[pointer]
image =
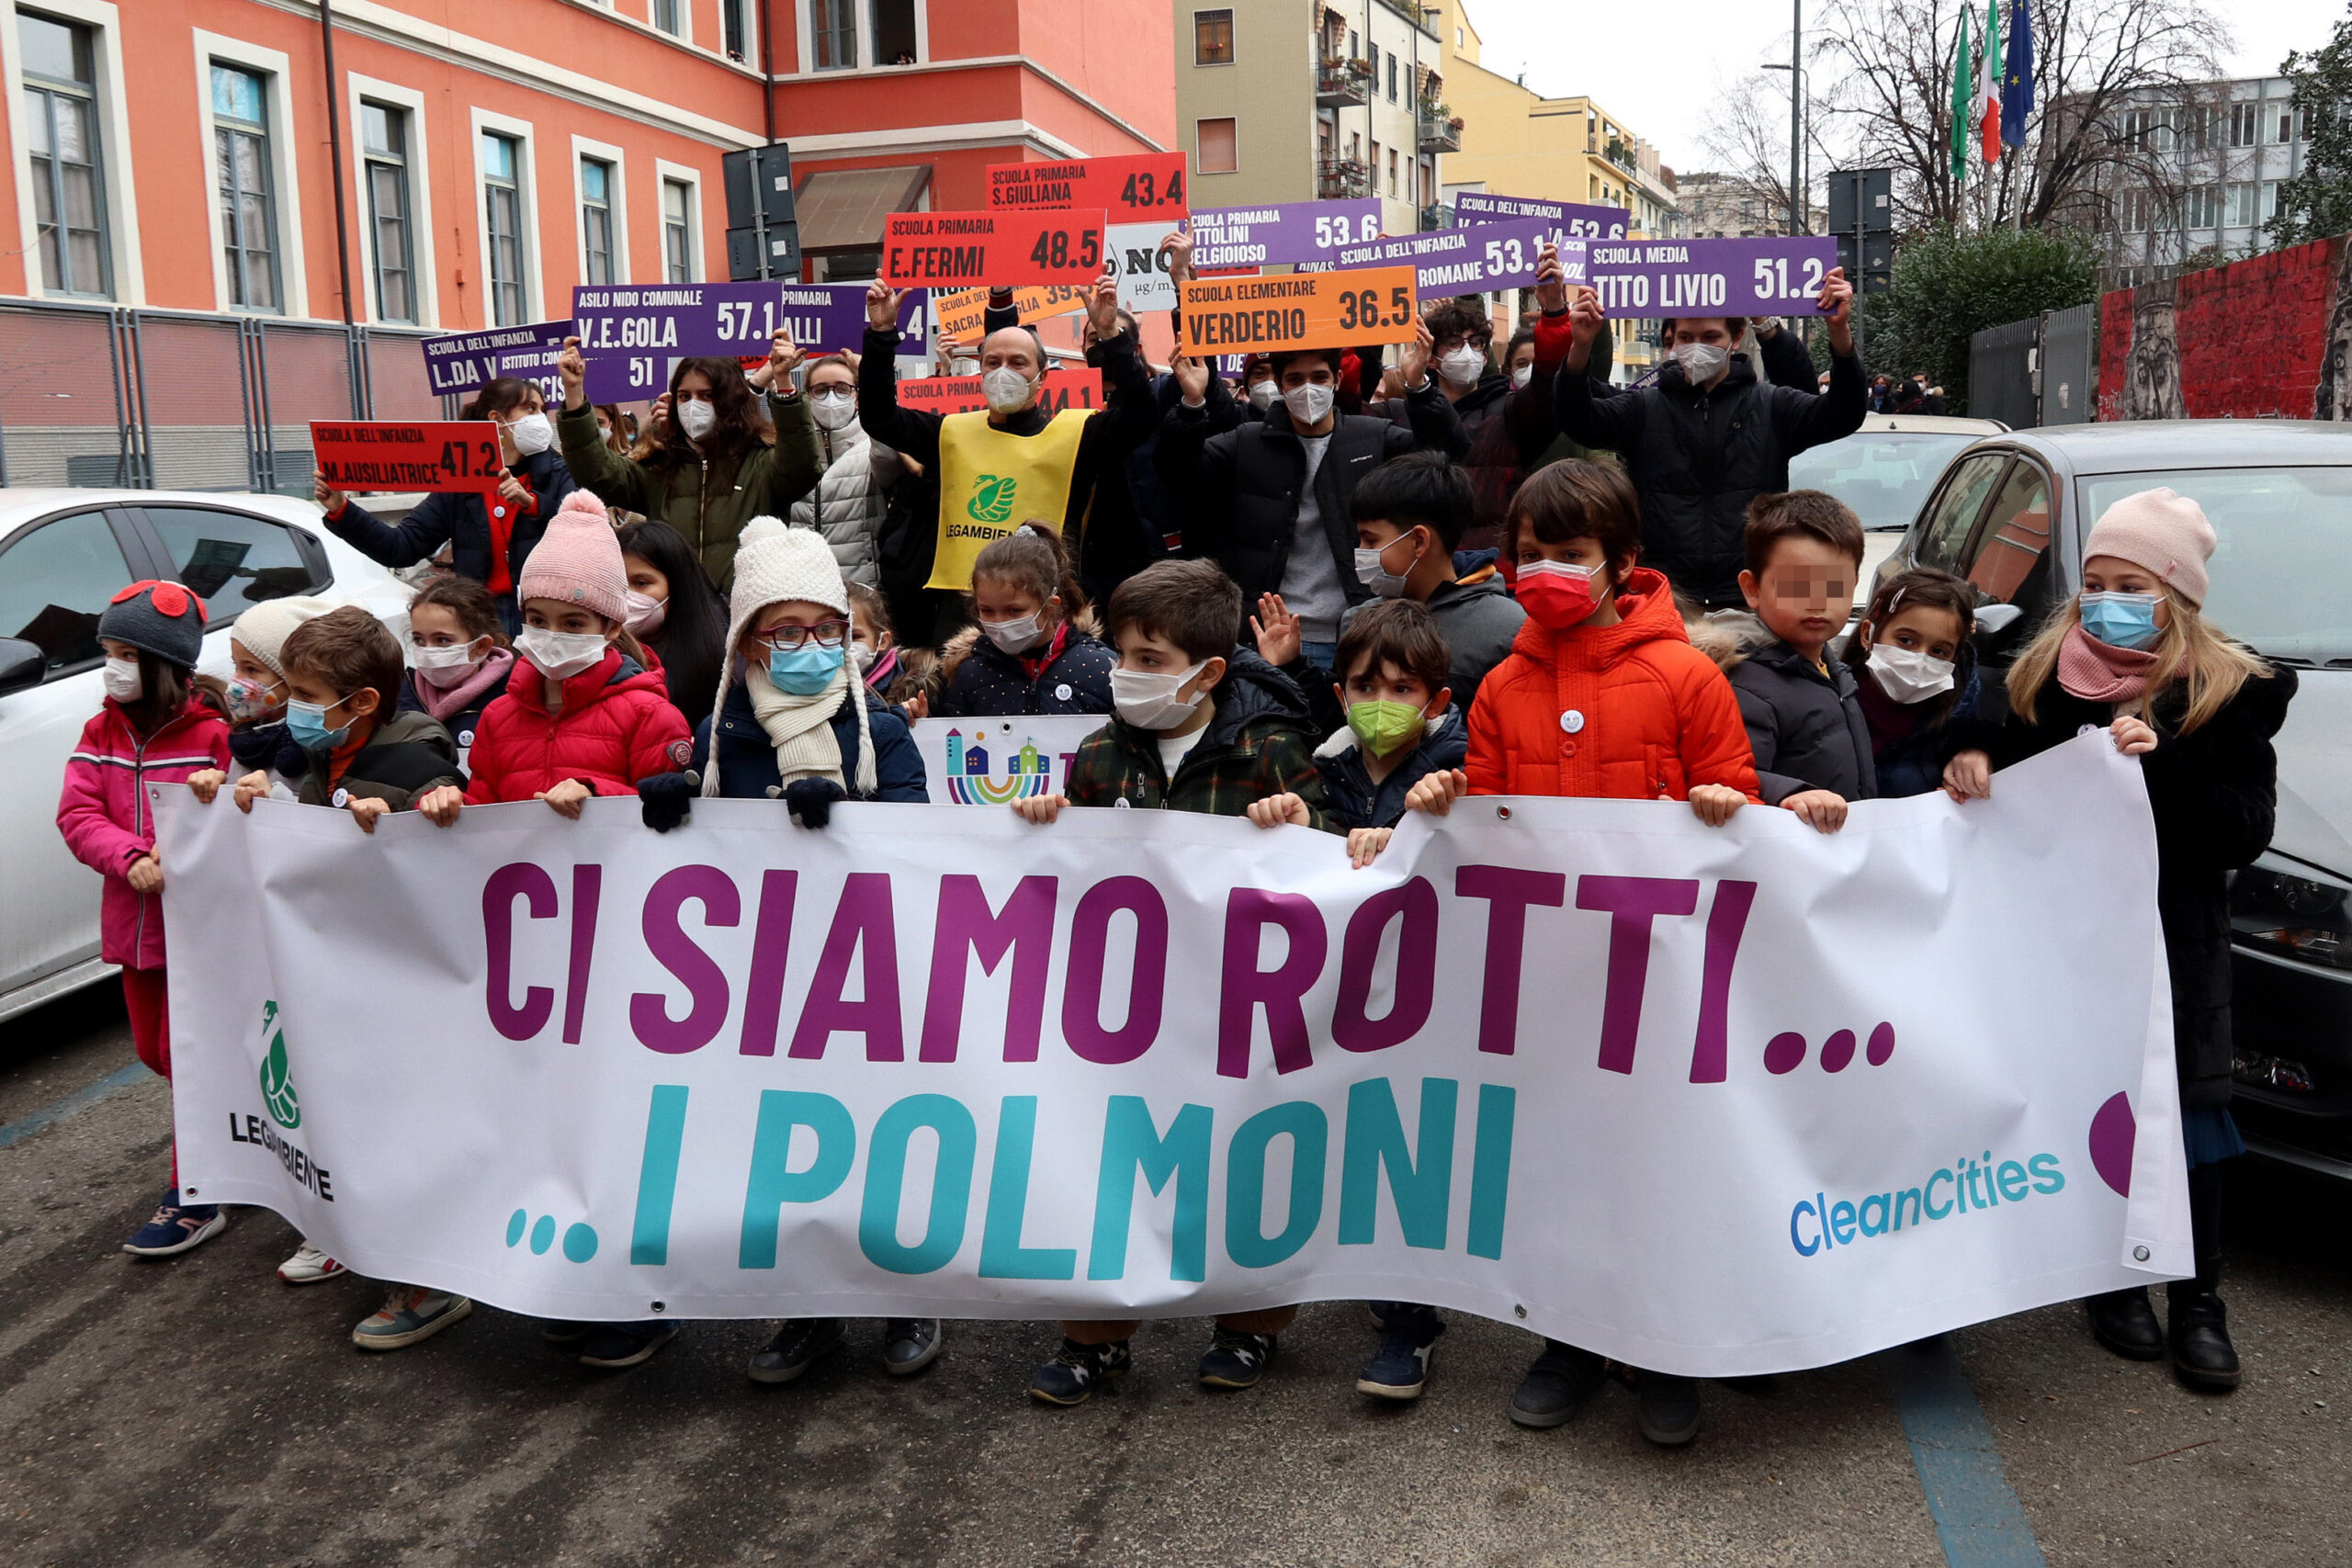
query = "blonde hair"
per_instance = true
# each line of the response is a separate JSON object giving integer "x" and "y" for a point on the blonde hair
{"x": 2192, "y": 649}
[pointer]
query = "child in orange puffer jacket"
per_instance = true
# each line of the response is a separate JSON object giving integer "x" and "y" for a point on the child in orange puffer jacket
{"x": 1603, "y": 694}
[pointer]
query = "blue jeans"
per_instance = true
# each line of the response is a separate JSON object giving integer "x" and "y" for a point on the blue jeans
{"x": 1322, "y": 655}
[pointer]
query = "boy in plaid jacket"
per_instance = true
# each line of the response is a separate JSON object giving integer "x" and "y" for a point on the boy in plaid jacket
{"x": 1200, "y": 724}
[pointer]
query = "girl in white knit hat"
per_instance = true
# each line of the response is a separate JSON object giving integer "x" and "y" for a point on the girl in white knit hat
{"x": 2133, "y": 654}
{"x": 794, "y": 723}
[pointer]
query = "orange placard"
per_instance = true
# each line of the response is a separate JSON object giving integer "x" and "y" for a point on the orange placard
{"x": 955, "y": 394}
{"x": 945, "y": 249}
{"x": 1132, "y": 189}
{"x": 1301, "y": 310}
{"x": 388, "y": 454}
{"x": 959, "y": 313}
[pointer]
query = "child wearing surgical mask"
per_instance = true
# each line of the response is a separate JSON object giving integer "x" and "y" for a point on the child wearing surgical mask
{"x": 1602, "y": 696}
{"x": 155, "y": 726}
{"x": 255, "y": 694}
{"x": 580, "y": 717}
{"x": 873, "y": 641}
{"x": 1031, "y": 649}
{"x": 2133, "y": 655}
{"x": 673, "y": 613}
{"x": 458, "y": 658}
{"x": 1200, "y": 725}
{"x": 793, "y": 723}
{"x": 491, "y": 536}
{"x": 1916, "y": 672}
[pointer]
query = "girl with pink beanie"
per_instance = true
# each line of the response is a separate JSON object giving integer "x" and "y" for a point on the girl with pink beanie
{"x": 580, "y": 716}
{"x": 2133, "y": 655}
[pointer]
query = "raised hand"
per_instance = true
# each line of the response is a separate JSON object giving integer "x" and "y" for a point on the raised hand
{"x": 1192, "y": 379}
{"x": 1276, "y": 630}
{"x": 882, "y": 303}
{"x": 1413, "y": 358}
{"x": 1551, "y": 280}
{"x": 572, "y": 369}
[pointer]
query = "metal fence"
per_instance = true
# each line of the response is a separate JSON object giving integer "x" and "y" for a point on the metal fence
{"x": 114, "y": 396}
{"x": 2041, "y": 370}
{"x": 2069, "y": 364}
{"x": 2001, "y": 363}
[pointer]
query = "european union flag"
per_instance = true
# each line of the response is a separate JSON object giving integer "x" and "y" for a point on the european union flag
{"x": 2017, "y": 80}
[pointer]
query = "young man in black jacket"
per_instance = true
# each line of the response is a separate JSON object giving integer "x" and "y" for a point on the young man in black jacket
{"x": 1271, "y": 501}
{"x": 1709, "y": 438}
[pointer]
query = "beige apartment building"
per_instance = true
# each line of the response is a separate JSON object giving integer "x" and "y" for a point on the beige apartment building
{"x": 1515, "y": 141}
{"x": 1300, "y": 100}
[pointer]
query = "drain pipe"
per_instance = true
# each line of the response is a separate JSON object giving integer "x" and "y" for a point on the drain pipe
{"x": 334, "y": 150}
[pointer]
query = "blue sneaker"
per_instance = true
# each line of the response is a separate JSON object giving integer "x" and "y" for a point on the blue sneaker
{"x": 794, "y": 1349}
{"x": 614, "y": 1345}
{"x": 176, "y": 1228}
{"x": 410, "y": 1315}
{"x": 1235, "y": 1358}
{"x": 1400, "y": 1369}
{"x": 1069, "y": 1378}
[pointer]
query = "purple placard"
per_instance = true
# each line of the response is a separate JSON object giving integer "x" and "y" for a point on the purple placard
{"x": 1281, "y": 235}
{"x": 1471, "y": 261}
{"x": 631, "y": 336}
{"x": 1766, "y": 277}
{"x": 460, "y": 362}
{"x": 1571, "y": 220}
{"x": 537, "y": 366}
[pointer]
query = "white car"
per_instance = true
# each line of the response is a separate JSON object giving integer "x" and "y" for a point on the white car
{"x": 1885, "y": 471}
{"x": 63, "y": 556}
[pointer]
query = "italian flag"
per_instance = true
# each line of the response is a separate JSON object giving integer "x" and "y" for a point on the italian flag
{"x": 1963, "y": 102}
{"x": 1988, "y": 104}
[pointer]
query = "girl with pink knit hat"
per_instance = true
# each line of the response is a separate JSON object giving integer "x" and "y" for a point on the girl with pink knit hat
{"x": 2133, "y": 654}
{"x": 580, "y": 717}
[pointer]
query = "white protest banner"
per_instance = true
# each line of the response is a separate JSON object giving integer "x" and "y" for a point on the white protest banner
{"x": 1713, "y": 1101}
{"x": 995, "y": 761}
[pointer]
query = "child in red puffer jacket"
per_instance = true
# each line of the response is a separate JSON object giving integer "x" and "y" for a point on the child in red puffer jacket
{"x": 581, "y": 714}
{"x": 157, "y": 726}
{"x": 580, "y": 717}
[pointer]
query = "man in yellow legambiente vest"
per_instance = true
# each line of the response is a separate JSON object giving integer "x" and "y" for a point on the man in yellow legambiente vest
{"x": 1011, "y": 462}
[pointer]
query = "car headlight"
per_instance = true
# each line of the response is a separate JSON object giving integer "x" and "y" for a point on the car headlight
{"x": 2297, "y": 911}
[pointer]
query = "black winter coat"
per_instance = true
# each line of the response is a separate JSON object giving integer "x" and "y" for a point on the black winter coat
{"x": 1351, "y": 800}
{"x": 986, "y": 681}
{"x": 1697, "y": 457}
{"x": 1239, "y": 489}
{"x": 459, "y": 519}
{"x": 2214, "y": 795}
{"x": 746, "y": 762}
{"x": 1807, "y": 728}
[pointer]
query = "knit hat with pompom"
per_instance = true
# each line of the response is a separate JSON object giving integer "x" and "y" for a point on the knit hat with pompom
{"x": 159, "y": 617}
{"x": 774, "y": 563}
{"x": 577, "y": 560}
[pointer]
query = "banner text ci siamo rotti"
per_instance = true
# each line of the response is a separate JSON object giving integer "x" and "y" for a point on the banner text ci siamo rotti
{"x": 1716, "y": 1102}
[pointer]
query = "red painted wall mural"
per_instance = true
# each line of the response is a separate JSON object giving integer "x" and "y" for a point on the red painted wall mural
{"x": 2270, "y": 337}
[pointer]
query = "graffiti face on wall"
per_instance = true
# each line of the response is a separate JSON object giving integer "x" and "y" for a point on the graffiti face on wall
{"x": 2153, "y": 390}
{"x": 2333, "y": 398}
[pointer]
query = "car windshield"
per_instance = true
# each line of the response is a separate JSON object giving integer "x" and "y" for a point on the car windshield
{"x": 2282, "y": 572}
{"x": 1885, "y": 475}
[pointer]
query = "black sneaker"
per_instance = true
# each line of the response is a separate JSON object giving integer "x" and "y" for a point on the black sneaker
{"x": 1400, "y": 1367}
{"x": 1069, "y": 1378}
{"x": 562, "y": 1331}
{"x": 794, "y": 1349}
{"x": 612, "y": 1346}
{"x": 1668, "y": 1408}
{"x": 1561, "y": 1383}
{"x": 2203, "y": 1357}
{"x": 2126, "y": 1324}
{"x": 909, "y": 1345}
{"x": 1236, "y": 1359}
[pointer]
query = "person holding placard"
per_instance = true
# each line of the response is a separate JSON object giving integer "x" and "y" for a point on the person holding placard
{"x": 1269, "y": 500}
{"x": 999, "y": 466}
{"x": 1709, "y": 437}
{"x": 490, "y": 537}
{"x": 708, "y": 472}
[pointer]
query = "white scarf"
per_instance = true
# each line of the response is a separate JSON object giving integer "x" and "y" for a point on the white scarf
{"x": 801, "y": 730}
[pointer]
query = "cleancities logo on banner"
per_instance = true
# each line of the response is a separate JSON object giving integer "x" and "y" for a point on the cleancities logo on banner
{"x": 284, "y": 1110}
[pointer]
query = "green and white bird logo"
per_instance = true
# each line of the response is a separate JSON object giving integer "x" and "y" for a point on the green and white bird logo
{"x": 276, "y": 1078}
{"x": 992, "y": 497}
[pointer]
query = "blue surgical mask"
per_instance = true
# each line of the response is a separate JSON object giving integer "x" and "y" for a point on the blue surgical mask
{"x": 2121, "y": 620}
{"x": 805, "y": 671}
{"x": 306, "y": 724}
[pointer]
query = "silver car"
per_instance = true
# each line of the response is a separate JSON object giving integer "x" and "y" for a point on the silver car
{"x": 2010, "y": 514}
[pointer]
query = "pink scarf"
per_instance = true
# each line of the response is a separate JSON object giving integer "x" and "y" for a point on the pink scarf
{"x": 489, "y": 675}
{"x": 2100, "y": 672}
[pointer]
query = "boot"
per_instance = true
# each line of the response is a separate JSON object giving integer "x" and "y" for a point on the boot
{"x": 2203, "y": 1357}
{"x": 2126, "y": 1324}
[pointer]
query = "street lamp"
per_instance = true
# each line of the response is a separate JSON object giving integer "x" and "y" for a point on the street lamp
{"x": 1797, "y": 224}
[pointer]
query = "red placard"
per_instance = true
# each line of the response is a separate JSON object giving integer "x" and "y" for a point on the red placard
{"x": 944, "y": 250}
{"x": 1131, "y": 189}
{"x": 955, "y": 394}
{"x": 392, "y": 454}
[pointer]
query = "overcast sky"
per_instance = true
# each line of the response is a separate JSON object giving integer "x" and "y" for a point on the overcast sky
{"x": 1726, "y": 38}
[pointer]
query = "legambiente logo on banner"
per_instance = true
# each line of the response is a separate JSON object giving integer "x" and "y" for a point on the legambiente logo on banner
{"x": 1701, "y": 1100}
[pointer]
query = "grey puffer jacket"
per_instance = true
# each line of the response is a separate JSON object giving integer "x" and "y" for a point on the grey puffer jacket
{"x": 851, "y": 497}
{"x": 1805, "y": 726}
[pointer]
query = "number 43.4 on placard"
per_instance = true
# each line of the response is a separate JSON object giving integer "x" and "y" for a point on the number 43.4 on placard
{"x": 1774, "y": 280}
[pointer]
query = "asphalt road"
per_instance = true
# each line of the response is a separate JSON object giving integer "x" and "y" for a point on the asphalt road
{"x": 196, "y": 1412}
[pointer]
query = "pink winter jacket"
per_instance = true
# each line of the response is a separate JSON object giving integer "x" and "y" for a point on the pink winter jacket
{"x": 104, "y": 813}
